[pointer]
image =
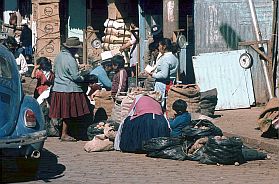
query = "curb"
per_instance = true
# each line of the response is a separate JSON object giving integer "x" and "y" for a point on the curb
{"x": 255, "y": 143}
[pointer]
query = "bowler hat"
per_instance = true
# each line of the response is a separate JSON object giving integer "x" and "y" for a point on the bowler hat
{"x": 72, "y": 42}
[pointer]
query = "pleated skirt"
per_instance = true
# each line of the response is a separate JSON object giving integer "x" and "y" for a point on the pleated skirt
{"x": 68, "y": 105}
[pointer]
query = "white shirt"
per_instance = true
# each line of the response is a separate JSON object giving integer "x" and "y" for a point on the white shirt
{"x": 21, "y": 62}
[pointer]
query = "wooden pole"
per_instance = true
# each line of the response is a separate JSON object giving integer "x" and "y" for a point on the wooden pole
{"x": 84, "y": 52}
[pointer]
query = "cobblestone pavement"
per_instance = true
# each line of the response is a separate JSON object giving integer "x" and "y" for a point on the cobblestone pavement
{"x": 64, "y": 162}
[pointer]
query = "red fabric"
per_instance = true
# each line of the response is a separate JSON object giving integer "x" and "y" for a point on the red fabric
{"x": 68, "y": 105}
{"x": 145, "y": 105}
{"x": 168, "y": 86}
{"x": 43, "y": 83}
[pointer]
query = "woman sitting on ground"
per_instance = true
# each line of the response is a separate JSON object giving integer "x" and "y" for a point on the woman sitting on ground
{"x": 182, "y": 118}
{"x": 145, "y": 121}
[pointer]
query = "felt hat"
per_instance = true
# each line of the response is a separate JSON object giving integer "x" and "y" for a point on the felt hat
{"x": 72, "y": 42}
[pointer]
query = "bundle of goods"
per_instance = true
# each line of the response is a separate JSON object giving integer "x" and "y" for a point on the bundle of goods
{"x": 123, "y": 102}
{"x": 104, "y": 141}
{"x": 204, "y": 142}
{"x": 208, "y": 102}
{"x": 116, "y": 110}
{"x": 269, "y": 119}
{"x": 199, "y": 129}
{"x": 116, "y": 34}
{"x": 204, "y": 149}
{"x": 101, "y": 128}
{"x": 103, "y": 99}
{"x": 190, "y": 93}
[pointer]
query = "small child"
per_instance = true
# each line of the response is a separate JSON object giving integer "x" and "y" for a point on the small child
{"x": 45, "y": 77}
{"x": 182, "y": 118}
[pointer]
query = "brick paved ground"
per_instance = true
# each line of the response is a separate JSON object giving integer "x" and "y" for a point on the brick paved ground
{"x": 243, "y": 123}
{"x": 68, "y": 163}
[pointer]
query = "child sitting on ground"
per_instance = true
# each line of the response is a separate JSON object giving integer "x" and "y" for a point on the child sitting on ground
{"x": 182, "y": 118}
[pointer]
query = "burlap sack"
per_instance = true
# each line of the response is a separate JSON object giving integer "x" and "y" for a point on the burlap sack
{"x": 190, "y": 93}
{"x": 103, "y": 99}
{"x": 122, "y": 104}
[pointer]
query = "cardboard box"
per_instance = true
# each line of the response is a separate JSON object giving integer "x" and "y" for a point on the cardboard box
{"x": 49, "y": 11}
{"x": 48, "y": 29}
{"x": 48, "y": 47}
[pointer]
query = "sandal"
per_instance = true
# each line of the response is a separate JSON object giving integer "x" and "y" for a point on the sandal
{"x": 68, "y": 139}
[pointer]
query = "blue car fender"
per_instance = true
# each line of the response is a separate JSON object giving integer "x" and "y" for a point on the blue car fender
{"x": 29, "y": 102}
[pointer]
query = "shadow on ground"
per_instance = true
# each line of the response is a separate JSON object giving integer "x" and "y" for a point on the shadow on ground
{"x": 48, "y": 169}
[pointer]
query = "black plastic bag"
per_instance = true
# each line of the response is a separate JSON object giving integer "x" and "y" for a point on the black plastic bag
{"x": 160, "y": 143}
{"x": 194, "y": 131}
{"x": 223, "y": 151}
{"x": 250, "y": 154}
{"x": 173, "y": 152}
{"x": 92, "y": 130}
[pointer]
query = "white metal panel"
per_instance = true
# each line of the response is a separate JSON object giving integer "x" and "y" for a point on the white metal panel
{"x": 221, "y": 70}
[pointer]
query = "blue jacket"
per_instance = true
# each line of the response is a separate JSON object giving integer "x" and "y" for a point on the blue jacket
{"x": 178, "y": 123}
{"x": 102, "y": 75}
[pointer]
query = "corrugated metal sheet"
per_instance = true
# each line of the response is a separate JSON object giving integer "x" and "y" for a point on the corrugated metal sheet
{"x": 220, "y": 24}
{"x": 221, "y": 70}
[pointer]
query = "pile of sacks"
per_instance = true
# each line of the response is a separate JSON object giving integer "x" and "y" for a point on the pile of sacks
{"x": 116, "y": 34}
{"x": 202, "y": 141}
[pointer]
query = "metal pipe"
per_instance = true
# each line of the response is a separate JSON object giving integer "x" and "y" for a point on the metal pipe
{"x": 259, "y": 38}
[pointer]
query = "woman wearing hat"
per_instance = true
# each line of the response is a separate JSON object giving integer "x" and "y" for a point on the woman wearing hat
{"x": 68, "y": 100}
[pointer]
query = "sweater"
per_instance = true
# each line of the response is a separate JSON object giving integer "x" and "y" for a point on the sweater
{"x": 167, "y": 66}
{"x": 66, "y": 73}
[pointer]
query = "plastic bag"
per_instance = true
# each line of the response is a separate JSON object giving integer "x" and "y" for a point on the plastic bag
{"x": 160, "y": 143}
{"x": 222, "y": 150}
{"x": 200, "y": 128}
{"x": 173, "y": 152}
{"x": 250, "y": 154}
